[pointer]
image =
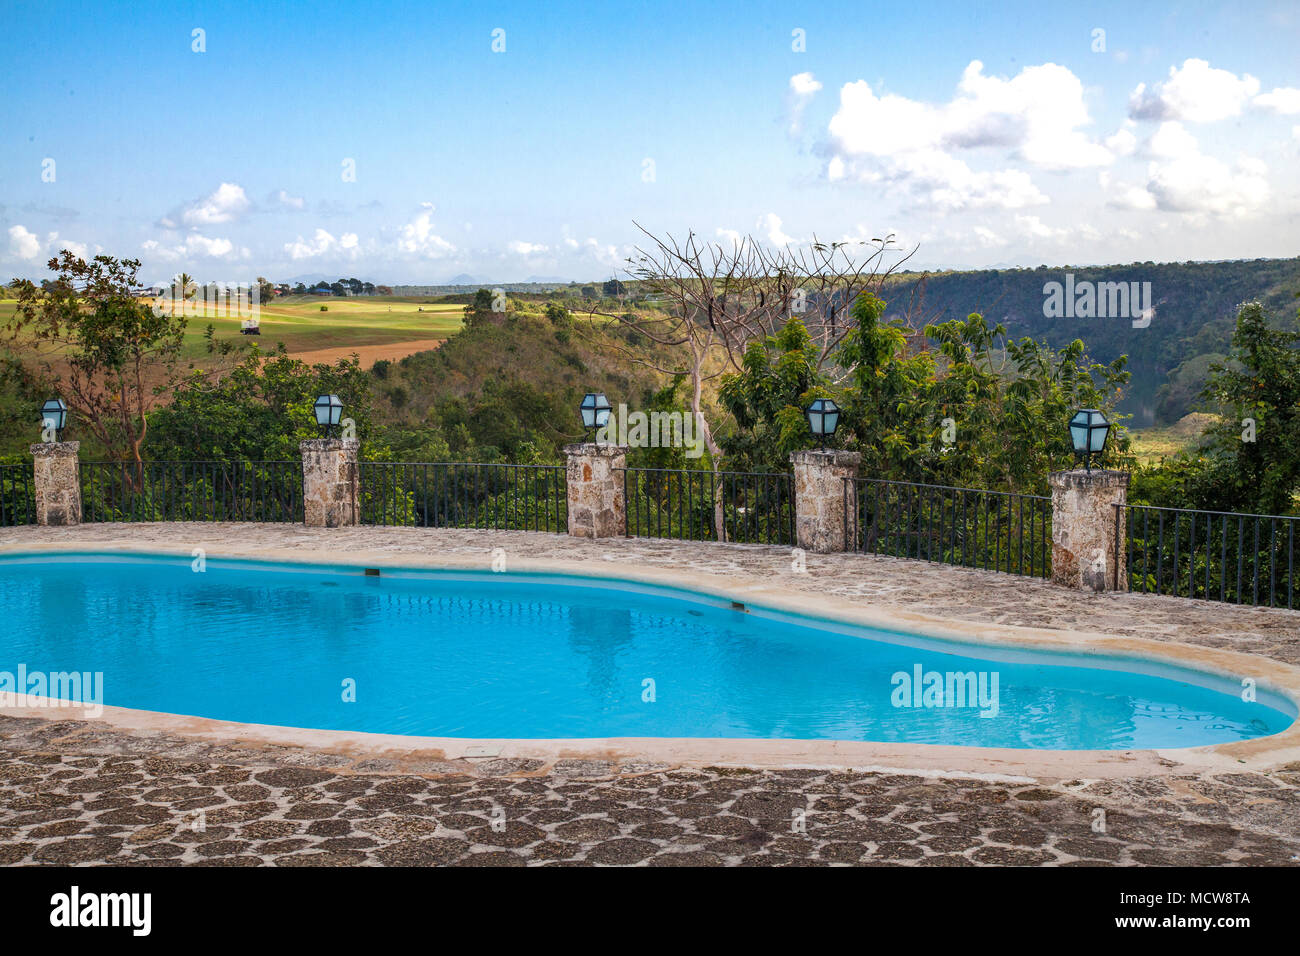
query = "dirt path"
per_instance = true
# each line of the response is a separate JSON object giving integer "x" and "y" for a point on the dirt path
{"x": 370, "y": 354}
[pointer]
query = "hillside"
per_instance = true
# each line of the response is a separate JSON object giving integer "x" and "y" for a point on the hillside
{"x": 509, "y": 387}
{"x": 1195, "y": 308}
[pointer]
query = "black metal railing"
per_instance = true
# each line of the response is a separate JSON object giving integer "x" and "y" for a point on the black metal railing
{"x": 17, "y": 500}
{"x": 1212, "y": 555}
{"x": 753, "y": 507}
{"x": 497, "y": 496}
{"x": 191, "y": 491}
{"x": 969, "y": 527}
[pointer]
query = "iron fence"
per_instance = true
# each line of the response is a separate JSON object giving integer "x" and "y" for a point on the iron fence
{"x": 501, "y": 497}
{"x": 969, "y": 527}
{"x": 17, "y": 499}
{"x": 753, "y": 507}
{"x": 191, "y": 491}
{"x": 1212, "y": 555}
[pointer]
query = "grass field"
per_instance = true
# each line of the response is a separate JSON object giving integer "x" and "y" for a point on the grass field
{"x": 1152, "y": 444}
{"x": 376, "y": 326}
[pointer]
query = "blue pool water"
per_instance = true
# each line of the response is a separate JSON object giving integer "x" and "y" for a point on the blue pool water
{"x": 494, "y": 655}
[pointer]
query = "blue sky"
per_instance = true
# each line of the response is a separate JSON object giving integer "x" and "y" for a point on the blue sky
{"x": 982, "y": 134}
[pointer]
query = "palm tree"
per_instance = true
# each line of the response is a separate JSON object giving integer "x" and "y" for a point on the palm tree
{"x": 184, "y": 284}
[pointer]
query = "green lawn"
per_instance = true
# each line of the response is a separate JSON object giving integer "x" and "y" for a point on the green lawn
{"x": 299, "y": 323}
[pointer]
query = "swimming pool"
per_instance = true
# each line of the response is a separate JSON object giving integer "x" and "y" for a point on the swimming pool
{"x": 483, "y": 655}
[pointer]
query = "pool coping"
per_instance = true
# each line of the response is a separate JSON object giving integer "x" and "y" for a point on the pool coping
{"x": 1256, "y": 754}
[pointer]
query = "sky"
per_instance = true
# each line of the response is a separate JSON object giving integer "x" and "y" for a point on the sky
{"x": 418, "y": 143}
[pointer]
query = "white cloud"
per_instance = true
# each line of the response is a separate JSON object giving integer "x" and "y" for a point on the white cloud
{"x": 1283, "y": 100}
{"x": 1180, "y": 178}
{"x": 418, "y": 237}
{"x": 1171, "y": 141}
{"x": 284, "y": 199}
{"x": 1038, "y": 112}
{"x": 804, "y": 84}
{"x": 1122, "y": 142}
{"x": 27, "y": 245}
{"x": 893, "y": 140}
{"x": 1034, "y": 228}
{"x": 1195, "y": 92}
{"x": 521, "y": 248}
{"x": 23, "y": 244}
{"x": 769, "y": 225}
{"x": 803, "y": 87}
{"x": 78, "y": 249}
{"x": 227, "y": 203}
{"x": 195, "y": 246}
{"x": 322, "y": 243}
{"x": 603, "y": 252}
{"x": 1134, "y": 197}
{"x": 198, "y": 245}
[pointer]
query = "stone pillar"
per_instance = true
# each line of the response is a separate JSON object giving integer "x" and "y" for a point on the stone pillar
{"x": 1083, "y": 529}
{"x": 329, "y": 482}
{"x": 819, "y": 498}
{"x": 595, "y": 490}
{"x": 57, "y": 482}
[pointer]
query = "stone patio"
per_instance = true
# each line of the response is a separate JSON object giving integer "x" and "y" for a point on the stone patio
{"x": 72, "y": 794}
{"x": 81, "y": 792}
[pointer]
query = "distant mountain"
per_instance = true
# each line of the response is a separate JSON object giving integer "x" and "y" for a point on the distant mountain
{"x": 1195, "y": 308}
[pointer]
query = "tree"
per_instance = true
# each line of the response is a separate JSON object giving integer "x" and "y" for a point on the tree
{"x": 767, "y": 398}
{"x": 480, "y": 310}
{"x": 950, "y": 405}
{"x": 1253, "y": 459}
{"x": 106, "y": 352}
{"x": 717, "y": 300}
{"x": 183, "y": 288}
{"x": 260, "y": 410}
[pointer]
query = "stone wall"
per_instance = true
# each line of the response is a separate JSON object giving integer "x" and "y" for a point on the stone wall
{"x": 595, "y": 490}
{"x": 57, "y": 482}
{"x": 819, "y": 496}
{"x": 1083, "y": 529}
{"x": 330, "y": 482}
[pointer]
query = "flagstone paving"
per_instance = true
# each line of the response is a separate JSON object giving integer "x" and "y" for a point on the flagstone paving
{"x": 74, "y": 793}
{"x": 77, "y": 792}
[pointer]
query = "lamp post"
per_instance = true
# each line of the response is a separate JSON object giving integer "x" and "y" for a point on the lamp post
{"x": 329, "y": 411}
{"x": 54, "y": 414}
{"x": 595, "y": 409}
{"x": 1089, "y": 430}
{"x": 823, "y": 418}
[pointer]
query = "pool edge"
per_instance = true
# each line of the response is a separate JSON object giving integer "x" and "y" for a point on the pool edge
{"x": 1258, "y": 753}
